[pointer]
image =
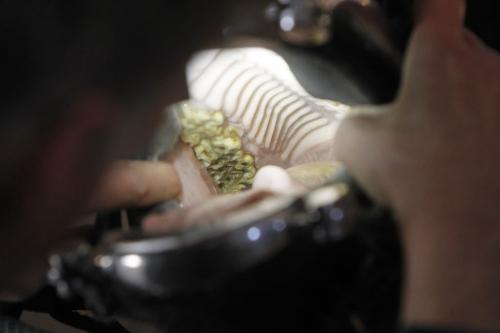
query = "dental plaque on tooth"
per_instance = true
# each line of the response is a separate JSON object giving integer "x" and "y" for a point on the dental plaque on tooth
{"x": 247, "y": 110}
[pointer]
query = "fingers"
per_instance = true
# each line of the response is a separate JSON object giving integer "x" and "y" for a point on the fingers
{"x": 449, "y": 13}
{"x": 135, "y": 184}
{"x": 359, "y": 144}
{"x": 211, "y": 211}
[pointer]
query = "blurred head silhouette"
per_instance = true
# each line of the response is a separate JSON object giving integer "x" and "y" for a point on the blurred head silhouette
{"x": 82, "y": 83}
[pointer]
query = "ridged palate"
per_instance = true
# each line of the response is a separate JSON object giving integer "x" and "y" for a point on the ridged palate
{"x": 280, "y": 123}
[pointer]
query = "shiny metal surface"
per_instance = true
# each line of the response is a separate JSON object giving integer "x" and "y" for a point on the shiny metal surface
{"x": 161, "y": 267}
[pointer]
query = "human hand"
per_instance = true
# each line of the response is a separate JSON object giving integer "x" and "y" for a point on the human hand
{"x": 269, "y": 181}
{"x": 433, "y": 157}
{"x": 129, "y": 184}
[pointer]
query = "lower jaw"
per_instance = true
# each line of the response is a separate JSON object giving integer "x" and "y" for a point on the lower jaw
{"x": 211, "y": 159}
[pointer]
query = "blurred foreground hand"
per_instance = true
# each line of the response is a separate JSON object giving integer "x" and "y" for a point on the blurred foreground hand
{"x": 433, "y": 156}
{"x": 129, "y": 184}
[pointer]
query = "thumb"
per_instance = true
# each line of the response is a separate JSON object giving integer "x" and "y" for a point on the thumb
{"x": 360, "y": 144}
{"x": 450, "y": 13}
{"x": 135, "y": 184}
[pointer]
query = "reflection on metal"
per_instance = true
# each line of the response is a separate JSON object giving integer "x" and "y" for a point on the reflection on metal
{"x": 287, "y": 21}
{"x": 336, "y": 214}
{"x": 302, "y": 22}
{"x": 104, "y": 262}
{"x": 131, "y": 261}
{"x": 253, "y": 234}
{"x": 307, "y": 22}
{"x": 311, "y": 25}
{"x": 359, "y": 23}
